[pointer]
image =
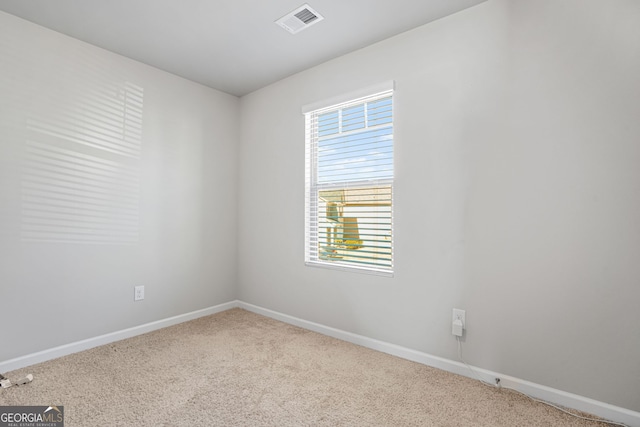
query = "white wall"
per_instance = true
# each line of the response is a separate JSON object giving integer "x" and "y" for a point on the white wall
{"x": 177, "y": 233}
{"x": 517, "y": 194}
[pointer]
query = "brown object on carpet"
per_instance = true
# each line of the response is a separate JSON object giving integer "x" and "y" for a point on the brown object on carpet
{"x": 237, "y": 368}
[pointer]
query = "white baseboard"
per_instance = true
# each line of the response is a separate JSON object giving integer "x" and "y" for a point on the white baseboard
{"x": 558, "y": 397}
{"x": 538, "y": 391}
{"x": 63, "y": 350}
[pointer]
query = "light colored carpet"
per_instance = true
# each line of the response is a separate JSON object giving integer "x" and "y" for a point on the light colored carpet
{"x": 237, "y": 368}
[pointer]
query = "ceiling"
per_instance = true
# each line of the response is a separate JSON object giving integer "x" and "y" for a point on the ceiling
{"x": 230, "y": 45}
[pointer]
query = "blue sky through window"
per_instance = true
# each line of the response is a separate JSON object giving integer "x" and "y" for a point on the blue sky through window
{"x": 356, "y": 143}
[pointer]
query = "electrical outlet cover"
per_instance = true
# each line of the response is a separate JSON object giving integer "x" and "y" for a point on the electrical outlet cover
{"x": 139, "y": 293}
{"x": 459, "y": 314}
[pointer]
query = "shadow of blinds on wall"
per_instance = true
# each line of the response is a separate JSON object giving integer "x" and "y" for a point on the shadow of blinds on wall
{"x": 79, "y": 123}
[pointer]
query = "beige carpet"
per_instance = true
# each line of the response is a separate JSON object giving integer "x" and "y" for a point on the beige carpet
{"x": 237, "y": 368}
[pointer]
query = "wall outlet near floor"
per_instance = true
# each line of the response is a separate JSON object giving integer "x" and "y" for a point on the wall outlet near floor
{"x": 139, "y": 293}
{"x": 458, "y": 322}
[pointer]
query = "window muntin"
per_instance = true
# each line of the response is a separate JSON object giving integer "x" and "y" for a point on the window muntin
{"x": 349, "y": 185}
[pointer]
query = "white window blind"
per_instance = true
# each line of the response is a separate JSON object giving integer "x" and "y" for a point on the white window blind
{"x": 349, "y": 184}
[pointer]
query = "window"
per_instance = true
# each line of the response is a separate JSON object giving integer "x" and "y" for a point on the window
{"x": 349, "y": 184}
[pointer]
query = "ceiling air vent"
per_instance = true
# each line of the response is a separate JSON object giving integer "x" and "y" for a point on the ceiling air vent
{"x": 301, "y": 18}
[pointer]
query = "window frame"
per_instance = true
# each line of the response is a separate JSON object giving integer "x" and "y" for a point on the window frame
{"x": 313, "y": 187}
